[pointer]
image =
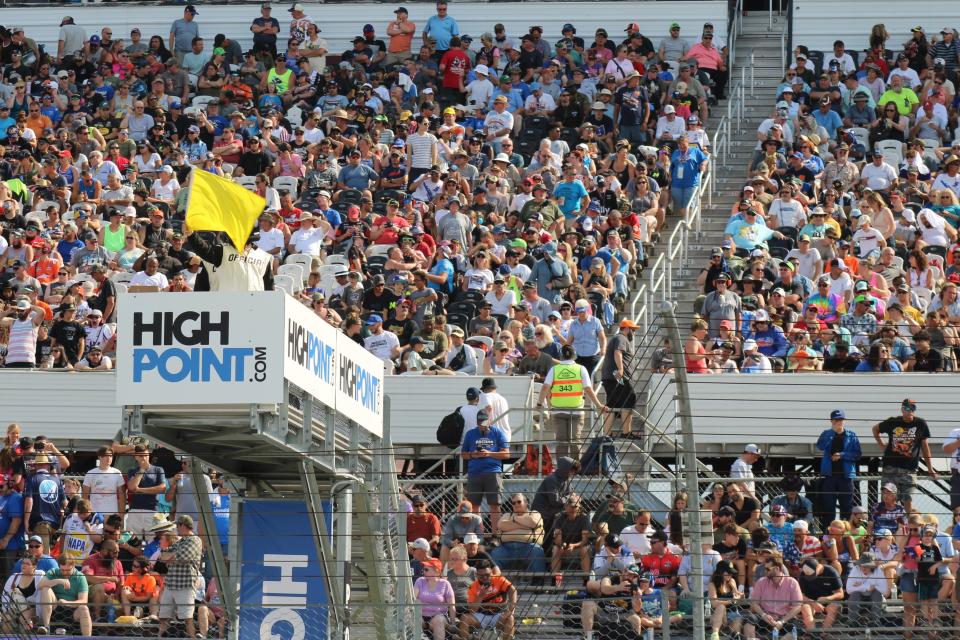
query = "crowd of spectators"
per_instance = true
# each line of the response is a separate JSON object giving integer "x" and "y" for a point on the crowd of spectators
{"x": 841, "y": 252}
{"x": 798, "y": 554}
{"x": 449, "y": 201}
{"x": 116, "y": 544}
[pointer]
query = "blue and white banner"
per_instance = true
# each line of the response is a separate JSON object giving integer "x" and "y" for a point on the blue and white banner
{"x": 283, "y": 594}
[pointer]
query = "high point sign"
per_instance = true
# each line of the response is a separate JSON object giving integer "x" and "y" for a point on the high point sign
{"x": 238, "y": 348}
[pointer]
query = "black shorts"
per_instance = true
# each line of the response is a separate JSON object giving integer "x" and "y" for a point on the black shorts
{"x": 619, "y": 396}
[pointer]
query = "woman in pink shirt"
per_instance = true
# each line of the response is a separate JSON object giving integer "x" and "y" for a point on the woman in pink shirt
{"x": 435, "y": 595}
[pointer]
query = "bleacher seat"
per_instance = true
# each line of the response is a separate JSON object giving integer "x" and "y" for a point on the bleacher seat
{"x": 296, "y": 271}
{"x": 337, "y": 259}
{"x": 201, "y": 101}
{"x": 294, "y": 116}
{"x": 892, "y": 151}
{"x": 284, "y": 282}
{"x": 247, "y": 182}
{"x": 286, "y": 183}
{"x": 304, "y": 261}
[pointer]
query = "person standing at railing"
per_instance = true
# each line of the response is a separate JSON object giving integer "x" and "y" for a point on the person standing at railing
{"x": 565, "y": 387}
{"x": 838, "y": 467}
{"x": 485, "y": 448}
{"x": 907, "y": 437}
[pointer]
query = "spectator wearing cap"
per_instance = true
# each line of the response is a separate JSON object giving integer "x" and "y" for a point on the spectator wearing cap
{"x": 566, "y": 385}
{"x": 381, "y": 343}
{"x": 822, "y": 591}
{"x": 615, "y": 374}
{"x": 461, "y": 358}
{"x": 949, "y": 178}
{"x": 673, "y": 47}
{"x": 463, "y": 522}
{"x": 838, "y": 467}
{"x": 421, "y": 524}
{"x": 68, "y": 334}
{"x": 183, "y": 559}
{"x": 742, "y": 469}
{"x": 710, "y": 59}
{"x": 265, "y": 29}
{"x": 867, "y": 585}
{"x": 484, "y": 448}
{"x": 907, "y": 438}
{"x": 496, "y": 405}
{"x": 721, "y": 304}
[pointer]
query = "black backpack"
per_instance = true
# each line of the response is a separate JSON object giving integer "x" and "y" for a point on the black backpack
{"x": 450, "y": 431}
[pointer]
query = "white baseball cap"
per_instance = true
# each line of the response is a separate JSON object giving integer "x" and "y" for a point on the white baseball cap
{"x": 750, "y": 345}
{"x": 751, "y": 448}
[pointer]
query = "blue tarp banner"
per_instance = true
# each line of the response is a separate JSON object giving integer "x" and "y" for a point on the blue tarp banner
{"x": 283, "y": 593}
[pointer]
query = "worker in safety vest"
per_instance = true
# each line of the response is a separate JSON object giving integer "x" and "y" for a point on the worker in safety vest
{"x": 565, "y": 386}
{"x": 227, "y": 269}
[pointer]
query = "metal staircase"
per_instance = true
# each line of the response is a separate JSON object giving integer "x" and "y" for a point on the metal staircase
{"x": 760, "y": 45}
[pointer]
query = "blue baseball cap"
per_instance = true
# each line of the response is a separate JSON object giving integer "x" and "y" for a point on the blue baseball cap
{"x": 534, "y": 86}
{"x": 837, "y": 414}
{"x": 374, "y": 319}
{"x": 568, "y": 27}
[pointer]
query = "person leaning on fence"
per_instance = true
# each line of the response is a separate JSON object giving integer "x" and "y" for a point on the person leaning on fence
{"x": 565, "y": 386}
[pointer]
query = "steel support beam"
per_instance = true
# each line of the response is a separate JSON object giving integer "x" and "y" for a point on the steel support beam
{"x": 211, "y": 540}
{"x": 321, "y": 536}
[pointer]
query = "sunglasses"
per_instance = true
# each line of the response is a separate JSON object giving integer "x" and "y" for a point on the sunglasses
{"x": 34, "y": 546}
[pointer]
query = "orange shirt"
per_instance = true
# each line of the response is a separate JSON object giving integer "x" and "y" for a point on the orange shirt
{"x": 45, "y": 269}
{"x": 494, "y": 593}
{"x": 141, "y": 586}
{"x": 39, "y": 123}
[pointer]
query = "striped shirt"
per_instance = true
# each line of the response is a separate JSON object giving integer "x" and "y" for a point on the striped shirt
{"x": 22, "y": 346}
{"x": 421, "y": 147}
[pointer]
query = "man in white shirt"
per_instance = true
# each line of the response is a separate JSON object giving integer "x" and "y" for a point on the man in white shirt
{"x": 810, "y": 263}
{"x": 104, "y": 486}
{"x": 498, "y": 123}
{"x": 308, "y": 238}
{"x": 383, "y": 344}
{"x": 841, "y": 283}
{"x": 878, "y": 175}
{"x": 480, "y": 91}
{"x": 495, "y": 404}
{"x": 637, "y": 535}
{"x": 905, "y": 73}
{"x": 669, "y": 126}
{"x": 843, "y": 59}
{"x": 271, "y": 238}
{"x": 538, "y": 102}
{"x": 743, "y": 468}
{"x": 151, "y": 276}
{"x": 930, "y": 122}
{"x": 949, "y": 178}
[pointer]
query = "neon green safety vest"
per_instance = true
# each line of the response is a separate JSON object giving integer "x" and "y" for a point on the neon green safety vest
{"x": 566, "y": 392}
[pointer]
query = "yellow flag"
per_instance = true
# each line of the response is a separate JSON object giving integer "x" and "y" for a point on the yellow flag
{"x": 217, "y": 204}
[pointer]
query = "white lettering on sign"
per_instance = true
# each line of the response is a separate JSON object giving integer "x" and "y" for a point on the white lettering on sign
{"x": 285, "y": 596}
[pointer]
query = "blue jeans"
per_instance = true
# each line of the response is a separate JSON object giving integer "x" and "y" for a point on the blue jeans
{"x": 530, "y": 555}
